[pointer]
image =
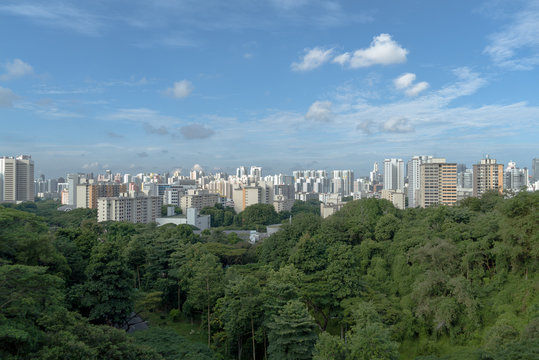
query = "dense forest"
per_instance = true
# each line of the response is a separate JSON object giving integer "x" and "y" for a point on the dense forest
{"x": 370, "y": 282}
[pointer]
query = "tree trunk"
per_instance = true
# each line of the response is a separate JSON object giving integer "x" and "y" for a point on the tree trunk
{"x": 265, "y": 345}
{"x": 208, "y": 293}
{"x": 138, "y": 276}
{"x": 253, "y": 337}
{"x": 240, "y": 347}
{"x": 179, "y": 299}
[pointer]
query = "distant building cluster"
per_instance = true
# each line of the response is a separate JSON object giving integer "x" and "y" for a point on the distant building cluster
{"x": 422, "y": 181}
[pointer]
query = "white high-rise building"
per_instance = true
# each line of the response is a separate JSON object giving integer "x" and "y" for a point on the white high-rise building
{"x": 414, "y": 182}
{"x": 394, "y": 174}
{"x": 16, "y": 179}
{"x": 515, "y": 178}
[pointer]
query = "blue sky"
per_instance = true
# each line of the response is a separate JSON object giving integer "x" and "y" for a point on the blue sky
{"x": 136, "y": 85}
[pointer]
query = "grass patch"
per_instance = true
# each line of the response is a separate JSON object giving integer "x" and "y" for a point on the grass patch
{"x": 193, "y": 332}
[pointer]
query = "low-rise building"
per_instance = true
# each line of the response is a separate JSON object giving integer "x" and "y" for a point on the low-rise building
{"x": 202, "y": 222}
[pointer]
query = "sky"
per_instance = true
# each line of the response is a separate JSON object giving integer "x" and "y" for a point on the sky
{"x": 135, "y": 85}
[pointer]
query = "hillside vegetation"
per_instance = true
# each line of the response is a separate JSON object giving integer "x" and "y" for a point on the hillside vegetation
{"x": 370, "y": 282}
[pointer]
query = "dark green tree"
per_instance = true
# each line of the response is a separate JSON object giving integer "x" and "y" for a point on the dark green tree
{"x": 109, "y": 290}
{"x": 292, "y": 333}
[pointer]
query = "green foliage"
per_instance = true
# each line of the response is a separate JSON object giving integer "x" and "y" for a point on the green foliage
{"x": 292, "y": 333}
{"x": 258, "y": 214}
{"x": 172, "y": 346}
{"x": 220, "y": 215}
{"x": 108, "y": 290}
{"x": 446, "y": 282}
{"x": 306, "y": 207}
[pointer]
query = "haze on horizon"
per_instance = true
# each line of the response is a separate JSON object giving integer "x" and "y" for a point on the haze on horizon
{"x": 283, "y": 84}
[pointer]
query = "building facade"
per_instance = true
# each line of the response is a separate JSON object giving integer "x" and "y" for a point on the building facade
{"x": 438, "y": 183}
{"x": 134, "y": 209}
{"x": 394, "y": 174}
{"x": 16, "y": 179}
{"x": 487, "y": 176}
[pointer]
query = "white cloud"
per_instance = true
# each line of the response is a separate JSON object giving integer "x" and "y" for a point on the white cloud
{"x": 313, "y": 58}
{"x": 517, "y": 46}
{"x": 397, "y": 125}
{"x": 382, "y": 51}
{"x": 16, "y": 69}
{"x": 180, "y": 89}
{"x": 320, "y": 111}
{"x": 404, "y": 81}
{"x": 7, "y": 97}
{"x": 341, "y": 59}
{"x": 417, "y": 88}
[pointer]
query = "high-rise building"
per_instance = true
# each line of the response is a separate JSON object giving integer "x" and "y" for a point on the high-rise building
{"x": 343, "y": 182}
{"x": 249, "y": 195}
{"x": 73, "y": 181}
{"x": 487, "y": 175}
{"x": 535, "y": 168}
{"x": 394, "y": 174}
{"x": 16, "y": 179}
{"x": 514, "y": 178}
{"x": 198, "y": 199}
{"x": 414, "y": 181}
{"x": 438, "y": 183}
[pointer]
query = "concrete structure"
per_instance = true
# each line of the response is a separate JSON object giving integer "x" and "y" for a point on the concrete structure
{"x": 487, "y": 175}
{"x": 343, "y": 182}
{"x": 329, "y": 209}
{"x": 72, "y": 181}
{"x": 438, "y": 183}
{"x": 202, "y": 222}
{"x": 198, "y": 199}
{"x": 515, "y": 179}
{"x": 250, "y": 195}
{"x": 535, "y": 169}
{"x": 87, "y": 194}
{"x": 394, "y": 174}
{"x": 396, "y": 197}
{"x": 414, "y": 178}
{"x": 282, "y": 203}
{"x": 16, "y": 179}
{"x": 134, "y": 208}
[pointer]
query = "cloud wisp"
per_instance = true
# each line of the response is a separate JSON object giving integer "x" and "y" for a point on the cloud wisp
{"x": 196, "y": 131}
{"x": 405, "y": 82}
{"x": 312, "y": 59}
{"x": 320, "y": 111}
{"x": 180, "y": 89}
{"x": 16, "y": 69}
{"x": 516, "y": 47}
{"x": 56, "y": 15}
{"x": 7, "y": 97}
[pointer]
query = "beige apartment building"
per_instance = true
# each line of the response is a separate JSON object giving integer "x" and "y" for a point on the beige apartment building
{"x": 438, "y": 183}
{"x": 198, "y": 199}
{"x": 487, "y": 175}
{"x": 87, "y": 194}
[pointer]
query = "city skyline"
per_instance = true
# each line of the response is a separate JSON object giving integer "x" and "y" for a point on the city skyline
{"x": 282, "y": 84}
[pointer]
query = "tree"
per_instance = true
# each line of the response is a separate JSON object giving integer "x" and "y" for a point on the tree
{"x": 258, "y": 214}
{"x": 292, "y": 333}
{"x": 241, "y": 310}
{"x": 205, "y": 286}
{"x": 109, "y": 291}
